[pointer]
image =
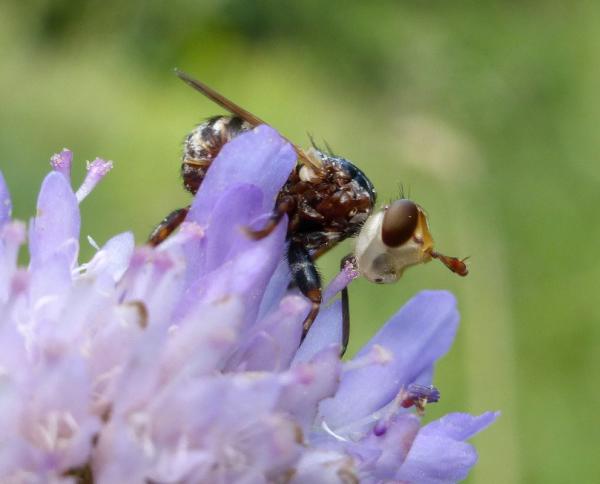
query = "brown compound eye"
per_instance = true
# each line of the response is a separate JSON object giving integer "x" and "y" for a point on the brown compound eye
{"x": 399, "y": 222}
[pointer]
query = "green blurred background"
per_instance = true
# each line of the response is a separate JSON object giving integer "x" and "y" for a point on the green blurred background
{"x": 485, "y": 111}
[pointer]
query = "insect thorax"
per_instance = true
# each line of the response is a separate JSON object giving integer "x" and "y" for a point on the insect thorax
{"x": 323, "y": 208}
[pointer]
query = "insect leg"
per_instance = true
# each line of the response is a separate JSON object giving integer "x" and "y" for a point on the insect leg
{"x": 167, "y": 226}
{"x": 284, "y": 205}
{"x": 305, "y": 275}
{"x": 345, "y": 309}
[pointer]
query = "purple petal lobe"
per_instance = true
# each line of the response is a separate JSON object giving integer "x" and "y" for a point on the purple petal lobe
{"x": 272, "y": 343}
{"x": 325, "y": 331}
{"x": 56, "y": 225}
{"x": 327, "y": 328}
{"x": 5, "y": 202}
{"x": 236, "y": 209}
{"x": 394, "y": 440}
{"x": 460, "y": 426}
{"x": 246, "y": 275}
{"x": 276, "y": 288}
{"x": 260, "y": 157}
{"x": 439, "y": 455}
{"x": 112, "y": 260}
{"x": 417, "y": 335}
{"x": 12, "y": 235}
{"x": 312, "y": 382}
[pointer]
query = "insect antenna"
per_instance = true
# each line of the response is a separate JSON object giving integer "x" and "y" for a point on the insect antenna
{"x": 329, "y": 150}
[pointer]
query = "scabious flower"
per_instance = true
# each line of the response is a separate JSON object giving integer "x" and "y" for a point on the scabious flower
{"x": 184, "y": 363}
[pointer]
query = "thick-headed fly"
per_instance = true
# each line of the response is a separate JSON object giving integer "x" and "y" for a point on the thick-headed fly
{"x": 327, "y": 199}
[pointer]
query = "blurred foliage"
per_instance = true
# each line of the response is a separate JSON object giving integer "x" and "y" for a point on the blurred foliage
{"x": 486, "y": 111}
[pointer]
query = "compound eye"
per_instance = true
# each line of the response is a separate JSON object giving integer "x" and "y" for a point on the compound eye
{"x": 399, "y": 222}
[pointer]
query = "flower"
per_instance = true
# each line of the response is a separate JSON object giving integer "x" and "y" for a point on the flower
{"x": 184, "y": 363}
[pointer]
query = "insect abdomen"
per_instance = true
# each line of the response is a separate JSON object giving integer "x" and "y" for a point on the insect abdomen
{"x": 203, "y": 144}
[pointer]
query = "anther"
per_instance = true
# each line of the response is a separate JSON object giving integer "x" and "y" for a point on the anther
{"x": 419, "y": 396}
{"x": 61, "y": 162}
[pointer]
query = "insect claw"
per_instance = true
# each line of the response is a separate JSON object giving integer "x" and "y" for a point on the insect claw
{"x": 257, "y": 234}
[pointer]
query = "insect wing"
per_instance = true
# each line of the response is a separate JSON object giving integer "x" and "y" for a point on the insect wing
{"x": 236, "y": 110}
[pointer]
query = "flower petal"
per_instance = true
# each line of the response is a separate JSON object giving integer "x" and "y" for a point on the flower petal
{"x": 247, "y": 275}
{"x": 5, "y": 202}
{"x": 311, "y": 382}
{"x": 439, "y": 455}
{"x": 260, "y": 157}
{"x": 273, "y": 342}
{"x": 12, "y": 235}
{"x": 239, "y": 205}
{"x": 327, "y": 328}
{"x": 420, "y": 333}
{"x": 56, "y": 226}
{"x": 325, "y": 331}
{"x": 113, "y": 259}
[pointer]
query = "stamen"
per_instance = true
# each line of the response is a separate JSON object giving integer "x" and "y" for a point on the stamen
{"x": 96, "y": 171}
{"x": 327, "y": 429}
{"x": 419, "y": 396}
{"x": 61, "y": 162}
{"x": 93, "y": 243}
{"x": 345, "y": 277}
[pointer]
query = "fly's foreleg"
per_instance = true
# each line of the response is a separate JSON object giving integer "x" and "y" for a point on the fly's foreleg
{"x": 167, "y": 226}
{"x": 284, "y": 205}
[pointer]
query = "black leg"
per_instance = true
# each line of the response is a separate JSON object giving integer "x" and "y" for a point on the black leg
{"x": 305, "y": 275}
{"x": 167, "y": 226}
{"x": 345, "y": 309}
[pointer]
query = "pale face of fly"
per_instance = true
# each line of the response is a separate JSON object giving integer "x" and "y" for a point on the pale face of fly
{"x": 396, "y": 238}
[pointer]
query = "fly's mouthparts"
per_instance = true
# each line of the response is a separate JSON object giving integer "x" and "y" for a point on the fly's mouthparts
{"x": 455, "y": 264}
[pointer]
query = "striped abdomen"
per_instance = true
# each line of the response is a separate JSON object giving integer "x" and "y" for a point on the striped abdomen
{"x": 203, "y": 144}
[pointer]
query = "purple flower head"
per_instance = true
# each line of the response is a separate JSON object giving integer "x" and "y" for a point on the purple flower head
{"x": 184, "y": 363}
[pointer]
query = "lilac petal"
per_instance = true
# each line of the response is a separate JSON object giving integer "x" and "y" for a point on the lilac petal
{"x": 202, "y": 342}
{"x": 439, "y": 455}
{"x": 118, "y": 457}
{"x": 47, "y": 410}
{"x": 49, "y": 282}
{"x": 311, "y": 382}
{"x": 56, "y": 227}
{"x": 5, "y": 202}
{"x": 12, "y": 235}
{"x": 420, "y": 333}
{"x": 325, "y": 331}
{"x": 325, "y": 467}
{"x": 246, "y": 275}
{"x": 155, "y": 278}
{"x": 394, "y": 442}
{"x": 327, "y": 328}
{"x": 273, "y": 446}
{"x": 113, "y": 259}
{"x": 459, "y": 426}
{"x": 260, "y": 157}
{"x": 273, "y": 342}
{"x": 236, "y": 209}
{"x": 276, "y": 288}
{"x": 61, "y": 162}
